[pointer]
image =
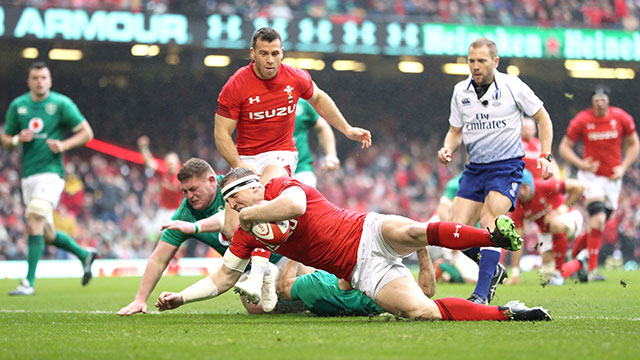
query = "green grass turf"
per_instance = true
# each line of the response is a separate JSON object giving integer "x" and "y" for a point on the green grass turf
{"x": 67, "y": 321}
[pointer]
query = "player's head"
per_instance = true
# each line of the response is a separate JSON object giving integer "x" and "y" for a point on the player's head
{"x": 600, "y": 100}
{"x": 241, "y": 188}
{"x": 529, "y": 128}
{"x": 198, "y": 183}
{"x": 39, "y": 80}
{"x": 266, "y": 52}
{"x": 527, "y": 188}
{"x": 173, "y": 162}
{"x": 483, "y": 60}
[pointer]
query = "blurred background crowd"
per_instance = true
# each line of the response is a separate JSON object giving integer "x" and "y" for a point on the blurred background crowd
{"x": 111, "y": 204}
{"x": 544, "y": 13}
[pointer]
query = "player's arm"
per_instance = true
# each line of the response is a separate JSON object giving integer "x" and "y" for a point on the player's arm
{"x": 427, "y": 274}
{"x": 566, "y": 151}
{"x": 545, "y": 130}
{"x": 143, "y": 146}
{"x": 222, "y": 133}
{"x": 630, "y": 156}
{"x": 82, "y": 133}
{"x": 288, "y": 276}
{"x": 574, "y": 189}
{"x": 207, "y": 288}
{"x": 152, "y": 273}
{"x": 327, "y": 141}
{"x": 327, "y": 109}
{"x": 452, "y": 142}
{"x": 290, "y": 204}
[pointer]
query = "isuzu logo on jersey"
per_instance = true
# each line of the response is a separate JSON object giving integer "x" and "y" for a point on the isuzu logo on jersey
{"x": 281, "y": 111}
{"x": 36, "y": 124}
{"x": 255, "y": 99}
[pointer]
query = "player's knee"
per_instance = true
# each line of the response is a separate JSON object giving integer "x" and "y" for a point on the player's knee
{"x": 596, "y": 207}
{"x": 424, "y": 312}
{"x": 40, "y": 208}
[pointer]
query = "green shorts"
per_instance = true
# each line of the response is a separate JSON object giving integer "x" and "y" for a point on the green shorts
{"x": 320, "y": 293}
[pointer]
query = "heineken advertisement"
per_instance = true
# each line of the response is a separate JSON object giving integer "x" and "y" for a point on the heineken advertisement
{"x": 314, "y": 35}
{"x": 527, "y": 42}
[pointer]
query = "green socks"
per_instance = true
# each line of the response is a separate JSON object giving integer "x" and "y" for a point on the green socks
{"x": 36, "y": 249}
{"x": 64, "y": 242}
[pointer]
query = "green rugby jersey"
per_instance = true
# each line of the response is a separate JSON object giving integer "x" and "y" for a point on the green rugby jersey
{"x": 320, "y": 293}
{"x": 51, "y": 118}
{"x": 306, "y": 118}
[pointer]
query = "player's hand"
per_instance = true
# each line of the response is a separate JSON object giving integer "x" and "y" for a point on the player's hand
{"x": 590, "y": 165}
{"x": 245, "y": 223}
{"x": 330, "y": 163}
{"x": 444, "y": 155}
{"x": 563, "y": 209}
{"x": 133, "y": 308}
{"x": 143, "y": 142}
{"x": 182, "y": 226}
{"x": 55, "y": 146}
{"x": 26, "y": 135}
{"x": 547, "y": 168}
{"x": 618, "y": 172}
{"x": 361, "y": 135}
{"x": 169, "y": 301}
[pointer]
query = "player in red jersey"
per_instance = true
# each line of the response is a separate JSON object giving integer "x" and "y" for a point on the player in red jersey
{"x": 543, "y": 202}
{"x": 260, "y": 100}
{"x": 532, "y": 151}
{"x": 365, "y": 249}
{"x": 602, "y": 130}
{"x": 170, "y": 192}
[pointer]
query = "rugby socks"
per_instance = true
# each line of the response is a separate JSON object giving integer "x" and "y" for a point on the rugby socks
{"x": 570, "y": 267}
{"x": 259, "y": 261}
{"x": 473, "y": 254}
{"x": 64, "y": 242}
{"x": 559, "y": 249}
{"x": 457, "y": 236}
{"x": 463, "y": 310}
{"x": 593, "y": 245}
{"x": 36, "y": 249}
{"x": 581, "y": 243}
{"x": 489, "y": 259}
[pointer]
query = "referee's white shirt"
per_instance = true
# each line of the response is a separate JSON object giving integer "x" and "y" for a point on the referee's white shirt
{"x": 492, "y": 125}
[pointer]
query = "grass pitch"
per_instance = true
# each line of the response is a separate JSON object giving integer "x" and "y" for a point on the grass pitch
{"x": 66, "y": 321}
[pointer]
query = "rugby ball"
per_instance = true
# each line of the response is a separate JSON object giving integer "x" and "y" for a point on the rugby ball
{"x": 271, "y": 233}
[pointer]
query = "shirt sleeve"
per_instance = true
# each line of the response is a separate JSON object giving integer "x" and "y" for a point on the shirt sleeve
{"x": 240, "y": 244}
{"x": 455, "y": 119}
{"x": 228, "y": 104}
{"x": 574, "y": 131}
{"x": 71, "y": 115}
{"x": 306, "y": 84}
{"x": 526, "y": 99}
{"x": 628, "y": 125}
{"x": 175, "y": 237}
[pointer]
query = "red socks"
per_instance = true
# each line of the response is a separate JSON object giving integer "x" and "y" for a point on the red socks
{"x": 464, "y": 310}
{"x": 593, "y": 245}
{"x": 457, "y": 236}
{"x": 570, "y": 267}
{"x": 559, "y": 249}
{"x": 581, "y": 243}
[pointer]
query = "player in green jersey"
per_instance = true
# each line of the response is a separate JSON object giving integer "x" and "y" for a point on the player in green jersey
{"x": 325, "y": 295}
{"x": 202, "y": 215}
{"x": 306, "y": 119}
{"x": 39, "y": 121}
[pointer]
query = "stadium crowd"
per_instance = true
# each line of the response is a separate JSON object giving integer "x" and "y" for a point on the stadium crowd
{"x": 110, "y": 204}
{"x": 544, "y": 13}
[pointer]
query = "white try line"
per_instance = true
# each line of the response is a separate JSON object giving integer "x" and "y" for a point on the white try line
{"x": 99, "y": 312}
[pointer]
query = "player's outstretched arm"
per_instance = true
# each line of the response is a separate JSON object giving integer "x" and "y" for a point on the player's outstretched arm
{"x": 427, "y": 274}
{"x": 328, "y": 143}
{"x": 327, "y": 109}
{"x": 222, "y": 132}
{"x": 152, "y": 274}
{"x": 207, "y": 288}
{"x": 290, "y": 204}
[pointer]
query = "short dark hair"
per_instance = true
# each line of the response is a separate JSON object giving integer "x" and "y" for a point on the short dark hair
{"x": 37, "y": 66}
{"x": 265, "y": 34}
{"x": 601, "y": 90}
{"x": 194, "y": 167}
{"x": 484, "y": 41}
{"x": 234, "y": 174}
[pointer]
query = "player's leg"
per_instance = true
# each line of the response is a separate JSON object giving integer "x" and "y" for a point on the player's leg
{"x": 597, "y": 220}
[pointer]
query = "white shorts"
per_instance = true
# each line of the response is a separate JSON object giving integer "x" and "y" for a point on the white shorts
{"x": 600, "y": 186}
{"x": 45, "y": 186}
{"x": 285, "y": 159}
{"x": 307, "y": 178}
{"x": 378, "y": 264}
